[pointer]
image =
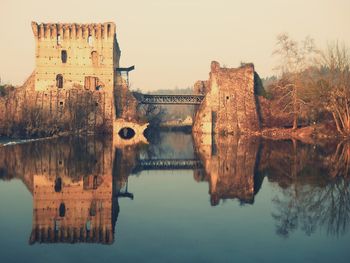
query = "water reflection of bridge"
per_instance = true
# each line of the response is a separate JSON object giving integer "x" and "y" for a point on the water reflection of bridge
{"x": 168, "y": 164}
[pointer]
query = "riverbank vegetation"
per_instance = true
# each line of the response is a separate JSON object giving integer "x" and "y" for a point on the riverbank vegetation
{"x": 313, "y": 85}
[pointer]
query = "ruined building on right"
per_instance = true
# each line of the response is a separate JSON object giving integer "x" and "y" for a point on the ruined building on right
{"x": 230, "y": 105}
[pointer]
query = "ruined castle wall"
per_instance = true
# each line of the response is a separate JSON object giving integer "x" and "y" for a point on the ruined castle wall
{"x": 44, "y": 113}
{"x": 72, "y": 87}
{"x": 229, "y": 105}
{"x": 75, "y": 51}
{"x": 12, "y": 105}
{"x": 126, "y": 103}
{"x": 75, "y": 85}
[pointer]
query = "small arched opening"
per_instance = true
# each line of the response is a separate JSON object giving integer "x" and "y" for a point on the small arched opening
{"x": 89, "y": 40}
{"x": 64, "y": 56}
{"x": 58, "y": 185}
{"x": 62, "y": 210}
{"x": 94, "y": 58}
{"x": 126, "y": 133}
{"x": 58, "y": 39}
{"x": 109, "y": 30}
{"x": 59, "y": 81}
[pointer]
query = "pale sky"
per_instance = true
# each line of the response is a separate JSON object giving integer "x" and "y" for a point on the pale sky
{"x": 172, "y": 42}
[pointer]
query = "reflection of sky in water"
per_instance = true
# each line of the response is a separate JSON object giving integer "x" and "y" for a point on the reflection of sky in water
{"x": 175, "y": 145}
{"x": 171, "y": 220}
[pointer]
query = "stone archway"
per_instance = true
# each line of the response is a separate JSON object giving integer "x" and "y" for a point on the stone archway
{"x": 126, "y": 133}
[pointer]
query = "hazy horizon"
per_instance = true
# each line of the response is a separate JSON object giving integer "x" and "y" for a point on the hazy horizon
{"x": 171, "y": 43}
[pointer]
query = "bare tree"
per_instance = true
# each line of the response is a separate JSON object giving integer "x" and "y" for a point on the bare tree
{"x": 295, "y": 58}
{"x": 335, "y": 85}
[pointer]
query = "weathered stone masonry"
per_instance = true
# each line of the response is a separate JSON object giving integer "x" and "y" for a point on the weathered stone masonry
{"x": 75, "y": 85}
{"x": 81, "y": 57}
{"x": 229, "y": 106}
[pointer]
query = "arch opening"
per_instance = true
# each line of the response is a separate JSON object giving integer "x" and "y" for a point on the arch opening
{"x": 62, "y": 210}
{"x": 58, "y": 40}
{"x": 58, "y": 185}
{"x": 90, "y": 41}
{"x": 59, "y": 81}
{"x": 94, "y": 58}
{"x": 126, "y": 133}
{"x": 64, "y": 56}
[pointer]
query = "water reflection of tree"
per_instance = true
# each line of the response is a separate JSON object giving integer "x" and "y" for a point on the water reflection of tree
{"x": 321, "y": 203}
{"x": 341, "y": 160}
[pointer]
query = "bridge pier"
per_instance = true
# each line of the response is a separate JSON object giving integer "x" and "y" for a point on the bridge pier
{"x": 135, "y": 130}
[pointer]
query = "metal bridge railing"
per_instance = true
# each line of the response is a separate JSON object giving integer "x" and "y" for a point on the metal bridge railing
{"x": 171, "y": 99}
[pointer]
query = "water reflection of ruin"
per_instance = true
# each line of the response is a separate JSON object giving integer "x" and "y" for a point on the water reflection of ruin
{"x": 76, "y": 183}
{"x": 75, "y": 191}
{"x": 313, "y": 180}
{"x": 230, "y": 167}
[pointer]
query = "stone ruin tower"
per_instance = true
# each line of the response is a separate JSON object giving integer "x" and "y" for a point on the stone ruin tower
{"x": 230, "y": 105}
{"x": 79, "y": 57}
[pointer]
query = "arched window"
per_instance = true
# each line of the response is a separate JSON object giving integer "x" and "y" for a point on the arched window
{"x": 58, "y": 39}
{"x": 62, "y": 210}
{"x": 59, "y": 81}
{"x": 58, "y": 184}
{"x": 109, "y": 30}
{"x": 64, "y": 56}
{"x": 94, "y": 58}
{"x": 89, "y": 40}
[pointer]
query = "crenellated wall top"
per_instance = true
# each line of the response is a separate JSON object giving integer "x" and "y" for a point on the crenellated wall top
{"x": 73, "y": 30}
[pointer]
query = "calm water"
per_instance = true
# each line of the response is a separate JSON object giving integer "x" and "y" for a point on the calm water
{"x": 175, "y": 200}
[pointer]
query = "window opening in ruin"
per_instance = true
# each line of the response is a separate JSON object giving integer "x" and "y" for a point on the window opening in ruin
{"x": 98, "y": 87}
{"x": 108, "y": 29}
{"x": 58, "y": 185}
{"x": 58, "y": 39}
{"x": 61, "y": 103}
{"x": 62, "y": 210}
{"x": 89, "y": 40}
{"x": 59, "y": 81}
{"x": 94, "y": 58}
{"x": 64, "y": 56}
